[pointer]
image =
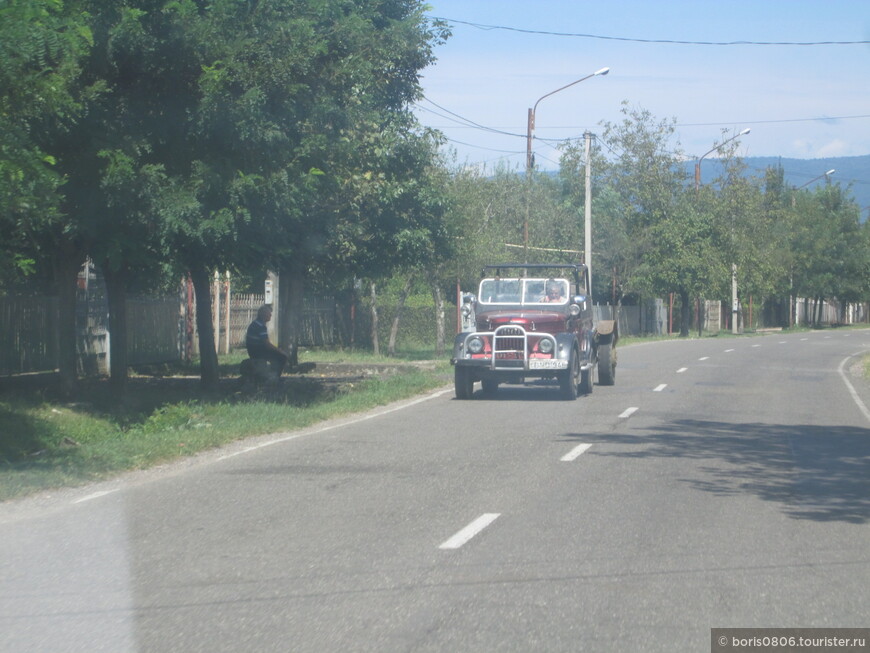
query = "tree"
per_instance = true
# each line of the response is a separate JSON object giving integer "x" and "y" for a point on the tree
{"x": 318, "y": 100}
{"x": 42, "y": 45}
{"x": 240, "y": 134}
{"x": 667, "y": 235}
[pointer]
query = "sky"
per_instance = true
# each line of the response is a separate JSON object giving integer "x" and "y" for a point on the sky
{"x": 799, "y": 101}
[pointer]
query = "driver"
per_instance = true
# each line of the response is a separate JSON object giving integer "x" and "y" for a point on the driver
{"x": 554, "y": 292}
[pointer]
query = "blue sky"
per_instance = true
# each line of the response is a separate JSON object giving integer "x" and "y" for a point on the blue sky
{"x": 799, "y": 101}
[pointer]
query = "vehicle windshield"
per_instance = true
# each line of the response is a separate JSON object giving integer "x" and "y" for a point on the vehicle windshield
{"x": 523, "y": 292}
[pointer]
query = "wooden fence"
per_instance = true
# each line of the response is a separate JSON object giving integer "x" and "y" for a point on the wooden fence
{"x": 163, "y": 330}
{"x": 28, "y": 334}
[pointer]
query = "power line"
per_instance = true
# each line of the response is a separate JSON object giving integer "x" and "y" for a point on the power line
{"x": 636, "y": 40}
{"x": 470, "y": 123}
{"x": 770, "y": 122}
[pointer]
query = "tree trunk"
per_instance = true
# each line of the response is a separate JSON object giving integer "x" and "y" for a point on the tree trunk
{"x": 438, "y": 298}
{"x": 400, "y": 308}
{"x": 116, "y": 291}
{"x": 376, "y": 347}
{"x": 209, "y": 374}
{"x": 291, "y": 288}
{"x": 685, "y": 313}
{"x": 67, "y": 262}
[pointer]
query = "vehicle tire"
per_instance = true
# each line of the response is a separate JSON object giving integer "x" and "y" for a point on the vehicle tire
{"x": 569, "y": 380}
{"x": 606, "y": 364}
{"x": 586, "y": 383}
{"x": 490, "y": 387}
{"x": 463, "y": 382}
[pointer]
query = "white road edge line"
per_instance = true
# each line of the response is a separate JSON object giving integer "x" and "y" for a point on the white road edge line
{"x": 660, "y": 387}
{"x": 861, "y": 406}
{"x": 628, "y": 412}
{"x": 703, "y": 358}
{"x": 681, "y": 370}
{"x": 575, "y": 452}
{"x": 95, "y": 495}
{"x": 470, "y": 531}
{"x": 330, "y": 427}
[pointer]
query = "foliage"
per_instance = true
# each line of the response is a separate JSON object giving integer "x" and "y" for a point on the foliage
{"x": 41, "y": 46}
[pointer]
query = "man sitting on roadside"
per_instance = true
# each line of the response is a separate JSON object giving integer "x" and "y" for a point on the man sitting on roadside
{"x": 258, "y": 345}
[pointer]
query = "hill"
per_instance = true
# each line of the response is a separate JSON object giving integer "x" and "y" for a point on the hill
{"x": 852, "y": 172}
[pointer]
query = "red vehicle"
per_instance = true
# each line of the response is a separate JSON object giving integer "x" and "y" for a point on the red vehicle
{"x": 533, "y": 320}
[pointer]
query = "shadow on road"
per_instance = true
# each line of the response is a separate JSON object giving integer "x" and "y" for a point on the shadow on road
{"x": 815, "y": 472}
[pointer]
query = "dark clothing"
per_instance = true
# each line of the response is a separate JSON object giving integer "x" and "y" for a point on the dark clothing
{"x": 257, "y": 339}
{"x": 257, "y": 344}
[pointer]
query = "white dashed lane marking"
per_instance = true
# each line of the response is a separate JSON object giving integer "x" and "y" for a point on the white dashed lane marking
{"x": 470, "y": 531}
{"x": 575, "y": 452}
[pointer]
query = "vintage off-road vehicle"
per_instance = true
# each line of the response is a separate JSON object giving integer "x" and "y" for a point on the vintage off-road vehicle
{"x": 524, "y": 323}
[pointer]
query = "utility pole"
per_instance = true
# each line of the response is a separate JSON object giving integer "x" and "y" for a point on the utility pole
{"x": 587, "y": 217}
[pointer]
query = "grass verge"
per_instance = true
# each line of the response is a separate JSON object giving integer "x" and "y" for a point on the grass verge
{"x": 47, "y": 443}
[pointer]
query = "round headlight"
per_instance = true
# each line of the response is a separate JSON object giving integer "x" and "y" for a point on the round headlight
{"x": 466, "y": 309}
{"x": 475, "y": 345}
{"x": 574, "y": 310}
{"x": 545, "y": 346}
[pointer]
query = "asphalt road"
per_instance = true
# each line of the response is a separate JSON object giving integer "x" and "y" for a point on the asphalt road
{"x": 720, "y": 483}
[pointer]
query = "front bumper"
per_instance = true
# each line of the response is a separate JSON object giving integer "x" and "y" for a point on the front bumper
{"x": 512, "y": 349}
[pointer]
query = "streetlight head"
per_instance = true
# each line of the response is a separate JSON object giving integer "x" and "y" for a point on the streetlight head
{"x": 745, "y": 131}
{"x": 830, "y": 172}
{"x": 603, "y": 71}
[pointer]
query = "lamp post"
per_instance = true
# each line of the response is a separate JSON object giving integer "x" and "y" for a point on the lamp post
{"x": 825, "y": 175}
{"x": 718, "y": 147}
{"x": 735, "y": 307}
{"x": 530, "y": 128}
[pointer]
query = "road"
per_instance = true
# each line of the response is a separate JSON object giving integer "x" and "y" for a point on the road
{"x": 722, "y": 482}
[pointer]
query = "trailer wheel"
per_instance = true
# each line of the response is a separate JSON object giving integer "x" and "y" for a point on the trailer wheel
{"x": 606, "y": 364}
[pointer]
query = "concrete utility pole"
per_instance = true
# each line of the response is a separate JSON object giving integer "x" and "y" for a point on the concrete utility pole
{"x": 587, "y": 214}
{"x": 735, "y": 306}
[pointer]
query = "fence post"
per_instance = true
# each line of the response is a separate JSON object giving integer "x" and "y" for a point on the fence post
{"x": 216, "y": 312}
{"x": 227, "y": 315}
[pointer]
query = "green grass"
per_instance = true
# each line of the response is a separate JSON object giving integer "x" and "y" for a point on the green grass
{"x": 48, "y": 443}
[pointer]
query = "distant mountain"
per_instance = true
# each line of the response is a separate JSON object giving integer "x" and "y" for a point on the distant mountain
{"x": 851, "y": 172}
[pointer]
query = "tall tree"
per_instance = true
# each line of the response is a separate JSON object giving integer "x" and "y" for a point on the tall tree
{"x": 42, "y": 45}
{"x": 668, "y": 234}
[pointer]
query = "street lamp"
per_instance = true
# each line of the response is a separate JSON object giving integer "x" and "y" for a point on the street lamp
{"x": 735, "y": 308}
{"x": 530, "y": 128}
{"x": 826, "y": 175}
{"x": 718, "y": 147}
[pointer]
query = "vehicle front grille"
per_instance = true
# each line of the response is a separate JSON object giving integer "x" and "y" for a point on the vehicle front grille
{"x": 509, "y": 340}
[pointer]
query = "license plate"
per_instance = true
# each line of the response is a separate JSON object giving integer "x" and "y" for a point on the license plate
{"x": 547, "y": 364}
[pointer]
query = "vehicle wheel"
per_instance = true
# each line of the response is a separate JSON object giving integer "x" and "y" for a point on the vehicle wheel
{"x": 569, "y": 380}
{"x": 606, "y": 365}
{"x": 490, "y": 386}
{"x": 463, "y": 382}
{"x": 586, "y": 383}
